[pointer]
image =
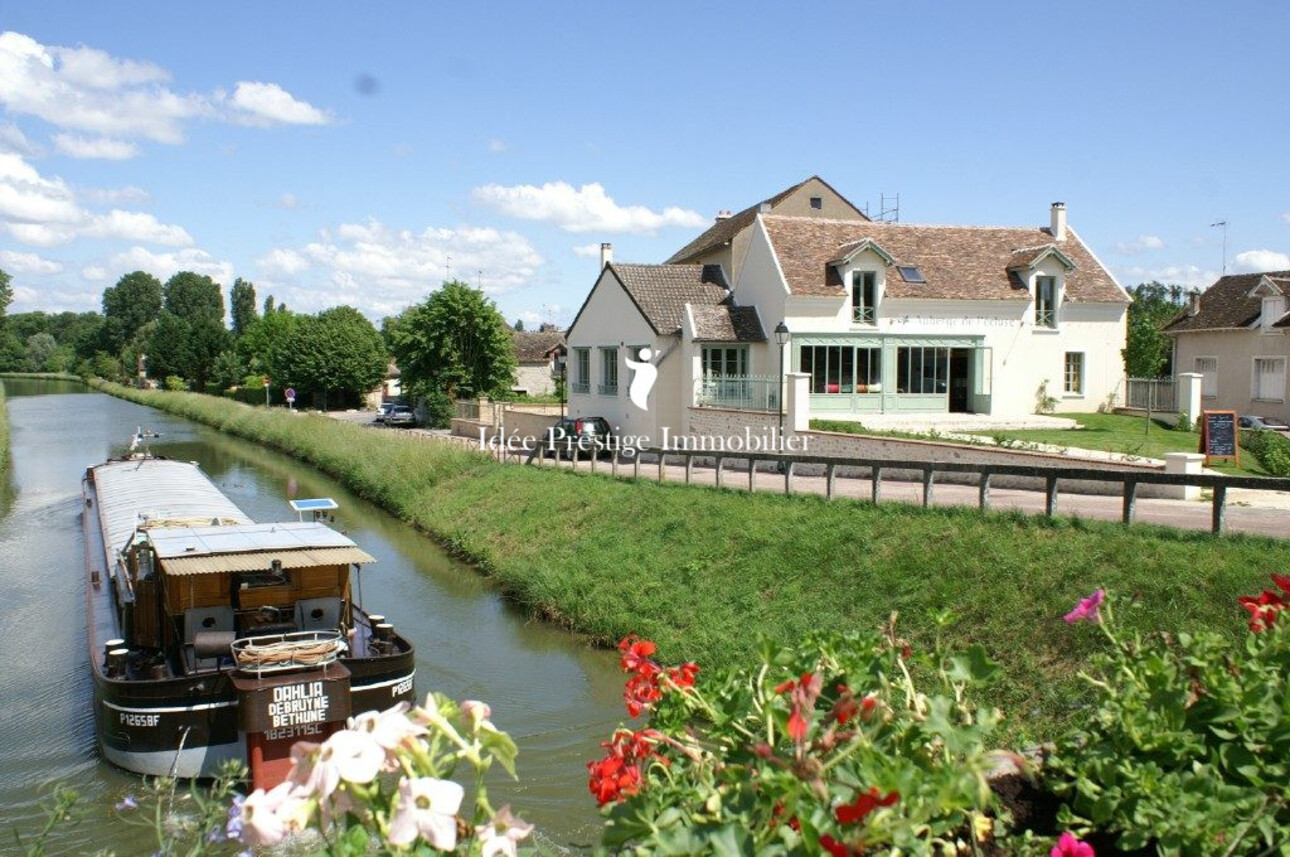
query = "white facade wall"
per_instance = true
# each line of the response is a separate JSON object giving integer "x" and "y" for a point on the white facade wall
{"x": 610, "y": 318}
{"x": 1022, "y": 355}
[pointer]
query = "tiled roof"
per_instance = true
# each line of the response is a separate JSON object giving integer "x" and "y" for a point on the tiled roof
{"x": 533, "y": 346}
{"x": 1227, "y": 304}
{"x": 958, "y": 262}
{"x": 727, "y": 228}
{"x": 727, "y": 323}
{"x": 662, "y": 291}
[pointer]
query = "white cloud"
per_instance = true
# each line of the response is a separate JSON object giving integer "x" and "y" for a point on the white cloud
{"x": 165, "y": 265}
{"x": 549, "y": 314}
{"x": 496, "y": 145}
{"x": 85, "y": 89}
{"x": 1183, "y": 275}
{"x": 94, "y": 273}
{"x": 381, "y": 270}
{"x": 1252, "y": 261}
{"x": 115, "y": 195}
{"x": 44, "y": 212}
{"x": 288, "y": 201}
{"x": 589, "y": 251}
{"x": 103, "y": 148}
{"x": 136, "y": 226}
{"x": 28, "y": 263}
{"x": 584, "y": 209}
{"x": 52, "y": 298}
{"x": 1141, "y": 245}
{"x": 1286, "y": 217}
{"x": 269, "y": 104}
{"x": 13, "y": 140}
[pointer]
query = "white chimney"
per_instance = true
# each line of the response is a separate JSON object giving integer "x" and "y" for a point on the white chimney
{"x": 764, "y": 208}
{"x": 606, "y": 254}
{"x": 723, "y": 214}
{"x": 1058, "y": 224}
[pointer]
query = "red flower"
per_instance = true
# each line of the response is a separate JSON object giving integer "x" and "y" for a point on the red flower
{"x": 683, "y": 676}
{"x": 797, "y": 725}
{"x": 865, "y": 803}
{"x": 834, "y": 847}
{"x": 612, "y": 778}
{"x": 636, "y": 652}
{"x": 1265, "y": 607}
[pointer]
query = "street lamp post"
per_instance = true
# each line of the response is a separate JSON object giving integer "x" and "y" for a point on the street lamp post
{"x": 781, "y": 339}
{"x": 561, "y": 368}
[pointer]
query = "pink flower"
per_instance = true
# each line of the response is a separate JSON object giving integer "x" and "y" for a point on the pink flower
{"x": 392, "y": 729}
{"x": 477, "y": 714}
{"x": 347, "y": 755}
{"x": 1068, "y": 845}
{"x": 427, "y": 808}
{"x": 1086, "y": 610}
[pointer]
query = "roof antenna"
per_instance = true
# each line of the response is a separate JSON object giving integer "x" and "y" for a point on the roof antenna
{"x": 1223, "y": 223}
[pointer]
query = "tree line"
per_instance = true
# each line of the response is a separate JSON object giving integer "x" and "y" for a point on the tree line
{"x": 454, "y": 344}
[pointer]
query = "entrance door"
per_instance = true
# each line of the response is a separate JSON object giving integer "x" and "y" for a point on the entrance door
{"x": 960, "y": 380}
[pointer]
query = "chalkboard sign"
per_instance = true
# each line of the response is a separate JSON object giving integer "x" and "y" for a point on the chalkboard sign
{"x": 1218, "y": 437}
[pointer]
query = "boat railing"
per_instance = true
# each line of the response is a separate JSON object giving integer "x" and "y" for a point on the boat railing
{"x": 295, "y": 650}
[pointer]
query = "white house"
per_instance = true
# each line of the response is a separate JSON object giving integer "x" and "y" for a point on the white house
{"x": 537, "y": 354}
{"x": 1234, "y": 336}
{"x": 883, "y": 317}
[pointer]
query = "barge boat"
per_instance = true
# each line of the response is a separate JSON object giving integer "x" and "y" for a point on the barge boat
{"x": 213, "y": 637}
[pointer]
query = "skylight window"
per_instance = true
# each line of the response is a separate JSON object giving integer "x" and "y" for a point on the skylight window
{"x": 911, "y": 274}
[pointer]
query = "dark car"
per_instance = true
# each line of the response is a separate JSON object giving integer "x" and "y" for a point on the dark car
{"x": 586, "y": 435}
{"x": 1249, "y": 421}
{"x": 401, "y": 415}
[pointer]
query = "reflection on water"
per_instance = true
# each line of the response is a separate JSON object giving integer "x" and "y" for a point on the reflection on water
{"x": 558, "y": 698}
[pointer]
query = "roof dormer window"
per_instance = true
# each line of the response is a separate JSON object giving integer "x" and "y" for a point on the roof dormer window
{"x": 1274, "y": 307}
{"x": 864, "y": 296}
{"x": 1046, "y": 302}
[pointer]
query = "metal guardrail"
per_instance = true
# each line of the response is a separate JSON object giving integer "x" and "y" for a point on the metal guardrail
{"x": 1051, "y": 476}
{"x": 743, "y": 393}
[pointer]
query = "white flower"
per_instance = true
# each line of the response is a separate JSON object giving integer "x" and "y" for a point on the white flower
{"x": 477, "y": 714}
{"x": 354, "y": 757}
{"x": 391, "y": 729}
{"x": 427, "y": 807}
{"x": 500, "y": 835}
{"x": 267, "y": 817}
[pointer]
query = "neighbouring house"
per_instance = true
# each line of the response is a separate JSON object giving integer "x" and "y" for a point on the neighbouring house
{"x": 725, "y": 242}
{"x": 538, "y": 353}
{"x": 1234, "y": 336}
{"x": 882, "y": 317}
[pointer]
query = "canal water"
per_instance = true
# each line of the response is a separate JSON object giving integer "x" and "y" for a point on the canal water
{"x": 557, "y": 697}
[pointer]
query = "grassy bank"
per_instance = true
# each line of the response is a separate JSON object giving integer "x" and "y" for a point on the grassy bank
{"x": 6, "y": 463}
{"x": 704, "y": 571}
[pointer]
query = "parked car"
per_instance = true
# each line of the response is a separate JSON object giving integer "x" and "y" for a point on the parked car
{"x": 401, "y": 415}
{"x": 382, "y": 411}
{"x": 588, "y": 435}
{"x": 1249, "y": 421}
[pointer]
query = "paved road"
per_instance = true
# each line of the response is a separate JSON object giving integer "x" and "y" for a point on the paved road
{"x": 1265, "y": 513}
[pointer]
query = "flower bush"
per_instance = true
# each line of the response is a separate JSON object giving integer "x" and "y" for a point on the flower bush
{"x": 384, "y": 786}
{"x": 1188, "y": 748}
{"x": 833, "y": 747}
{"x": 826, "y": 747}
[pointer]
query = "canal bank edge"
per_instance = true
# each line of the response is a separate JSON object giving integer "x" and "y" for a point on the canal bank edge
{"x": 705, "y": 572}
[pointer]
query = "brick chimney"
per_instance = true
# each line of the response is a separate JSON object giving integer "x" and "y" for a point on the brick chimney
{"x": 1193, "y": 303}
{"x": 1057, "y": 223}
{"x": 606, "y": 254}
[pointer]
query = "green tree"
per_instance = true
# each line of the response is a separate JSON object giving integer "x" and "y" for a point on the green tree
{"x": 133, "y": 302}
{"x": 1148, "y": 350}
{"x": 337, "y": 353}
{"x": 259, "y": 345}
{"x": 192, "y": 296}
{"x": 241, "y": 302}
{"x": 454, "y": 343}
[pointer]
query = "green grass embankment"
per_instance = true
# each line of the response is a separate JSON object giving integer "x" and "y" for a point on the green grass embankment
{"x": 704, "y": 571}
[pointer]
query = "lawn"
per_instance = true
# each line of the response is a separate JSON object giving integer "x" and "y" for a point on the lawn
{"x": 706, "y": 571}
{"x": 1130, "y": 435}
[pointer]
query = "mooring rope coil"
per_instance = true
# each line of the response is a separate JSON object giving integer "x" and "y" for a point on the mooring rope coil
{"x": 286, "y": 653}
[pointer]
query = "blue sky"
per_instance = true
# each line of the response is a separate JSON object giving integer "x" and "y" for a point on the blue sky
{"x": 358, "y": 153}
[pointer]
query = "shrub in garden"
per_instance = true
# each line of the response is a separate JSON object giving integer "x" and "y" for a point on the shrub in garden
{"x": 1270, "y": 448}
